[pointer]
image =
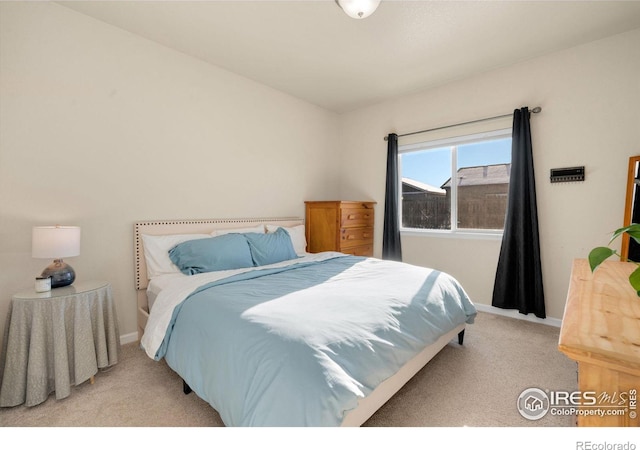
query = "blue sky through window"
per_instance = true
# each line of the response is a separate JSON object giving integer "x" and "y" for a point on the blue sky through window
{"x": 434, "y": 166}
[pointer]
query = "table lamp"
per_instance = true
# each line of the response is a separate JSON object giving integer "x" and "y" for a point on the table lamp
{"x": 56, "y": 242}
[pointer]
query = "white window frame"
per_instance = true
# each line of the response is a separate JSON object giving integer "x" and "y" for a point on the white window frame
{"x": 452, "y": 142}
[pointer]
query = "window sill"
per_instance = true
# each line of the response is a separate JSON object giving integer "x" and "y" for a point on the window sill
{"x": 495, "y": 235}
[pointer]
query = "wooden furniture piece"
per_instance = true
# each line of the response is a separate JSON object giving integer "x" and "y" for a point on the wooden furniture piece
{"x": 340, "y": 226}
{"x": 601, "y": 331}
{"x": 57, "y": 339}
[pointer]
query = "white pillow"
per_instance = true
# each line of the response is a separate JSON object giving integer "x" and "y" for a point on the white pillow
{"x": 156, "y": 252}
{"x": 255, "y": 229}
{"x": 298, "y": 237}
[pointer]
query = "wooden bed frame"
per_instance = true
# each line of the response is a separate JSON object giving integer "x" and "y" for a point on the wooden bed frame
{"x": 366, "y": 406}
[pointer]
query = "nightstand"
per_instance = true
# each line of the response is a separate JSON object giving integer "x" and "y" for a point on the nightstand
{"x": 57, "y": 339}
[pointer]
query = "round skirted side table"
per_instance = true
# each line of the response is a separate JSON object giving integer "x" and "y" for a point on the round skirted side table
{"x": 57, "y": 339}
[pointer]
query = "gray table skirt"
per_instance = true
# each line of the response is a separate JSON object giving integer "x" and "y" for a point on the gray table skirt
{"x": 51, "y": 344}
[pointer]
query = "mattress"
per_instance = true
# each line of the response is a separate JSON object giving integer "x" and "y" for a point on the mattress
{"x": 157, "y": 284}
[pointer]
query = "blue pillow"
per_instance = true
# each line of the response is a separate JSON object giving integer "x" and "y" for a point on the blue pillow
{"x": 226, "y": 252}
{"x": 270, "y": 248}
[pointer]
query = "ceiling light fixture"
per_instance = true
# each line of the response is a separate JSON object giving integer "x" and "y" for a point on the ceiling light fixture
{"x": 358, "y": 9}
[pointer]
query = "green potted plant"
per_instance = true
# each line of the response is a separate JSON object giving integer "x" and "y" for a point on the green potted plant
{"x": 599, "y": 254}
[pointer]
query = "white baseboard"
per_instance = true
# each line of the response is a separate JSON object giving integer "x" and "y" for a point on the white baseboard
{"x": 552, "y": 321}
{"x": 129, "y": 338}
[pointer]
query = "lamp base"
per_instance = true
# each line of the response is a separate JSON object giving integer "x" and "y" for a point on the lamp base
{"x": 61, "y": 273}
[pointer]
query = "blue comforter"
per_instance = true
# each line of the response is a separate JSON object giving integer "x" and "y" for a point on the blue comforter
{"x": 299, "y": 344}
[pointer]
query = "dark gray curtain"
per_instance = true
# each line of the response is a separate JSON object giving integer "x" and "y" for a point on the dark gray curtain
{"x": 391, "y": 247}
{"x": 518, "y": 283}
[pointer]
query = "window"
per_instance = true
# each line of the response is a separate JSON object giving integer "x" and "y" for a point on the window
{"x": 471, "y": 198}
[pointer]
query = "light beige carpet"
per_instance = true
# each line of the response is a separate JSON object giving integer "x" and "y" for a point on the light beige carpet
{"x": 474, "y": 385}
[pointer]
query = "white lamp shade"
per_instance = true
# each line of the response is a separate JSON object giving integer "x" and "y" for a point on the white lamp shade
{"x": 55, "y": 242}
{"x": 358, "y": 9}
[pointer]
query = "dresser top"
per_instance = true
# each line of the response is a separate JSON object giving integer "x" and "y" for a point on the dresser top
{"x": 601, "y": 322}
{"x": 340, "y": 201}
{"x": 345, "y": 202}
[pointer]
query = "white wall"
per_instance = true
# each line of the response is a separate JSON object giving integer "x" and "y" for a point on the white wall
{"x": 100, "y": 128}
{"x": 589, "y": 95}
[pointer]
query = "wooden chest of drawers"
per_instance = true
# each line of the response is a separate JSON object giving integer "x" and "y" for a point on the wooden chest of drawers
{"x": 341, "y": 226}
{"x": 600, "y": 331}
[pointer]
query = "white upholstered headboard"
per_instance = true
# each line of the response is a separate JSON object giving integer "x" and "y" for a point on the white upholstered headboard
{"x": 164, "y": 227}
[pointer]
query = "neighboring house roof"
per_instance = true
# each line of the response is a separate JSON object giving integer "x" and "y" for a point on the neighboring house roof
{"x": 482, "y": 175}
{"x": 424, "y": 187}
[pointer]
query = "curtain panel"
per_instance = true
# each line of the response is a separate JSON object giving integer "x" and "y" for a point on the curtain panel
{"x": 391, "y": 246}
{"x": 518, "y": 283}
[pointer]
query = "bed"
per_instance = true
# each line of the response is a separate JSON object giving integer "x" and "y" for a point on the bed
{"x": 270, "y": 335}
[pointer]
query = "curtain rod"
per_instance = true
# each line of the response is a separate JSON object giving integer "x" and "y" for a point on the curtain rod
{"x": 535, "y": 110}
